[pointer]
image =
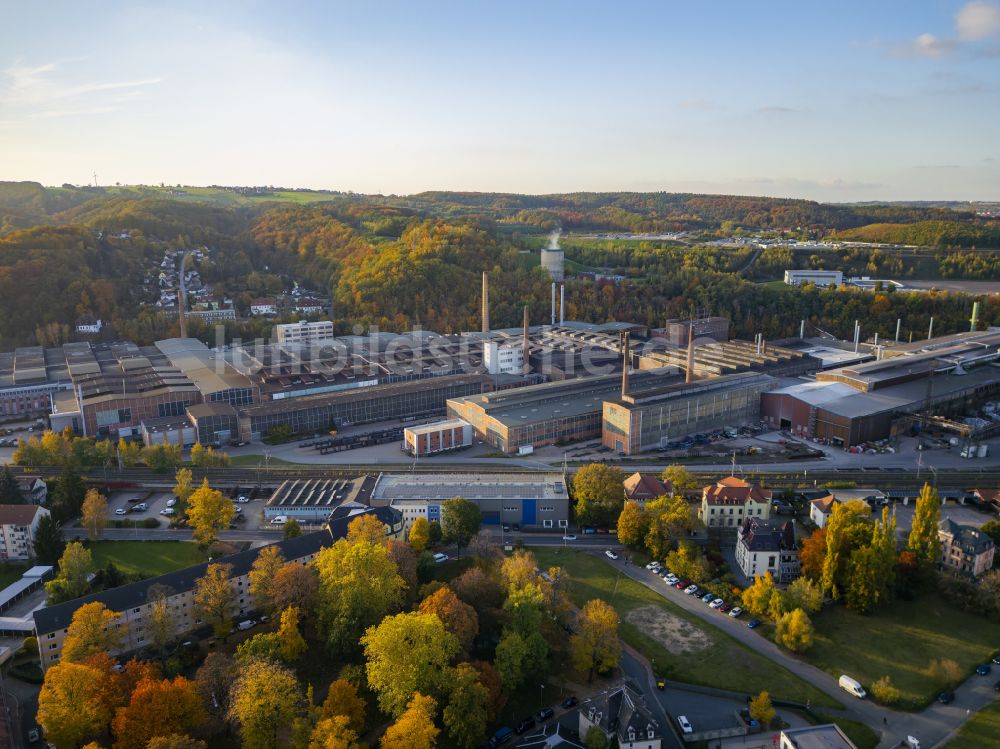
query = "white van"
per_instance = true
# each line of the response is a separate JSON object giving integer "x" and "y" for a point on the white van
{"x": 853, "y": 686}
{"x": 439, "y": 557}
{"x": 245, "y": 625}
{"x": 279, "y": 520}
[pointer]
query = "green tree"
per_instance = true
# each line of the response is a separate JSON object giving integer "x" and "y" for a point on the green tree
{"x": 160, "y": 623}
{"x": 794, "y": 631}
{"x": 10, "y": 491}
{"x": 419, "y": 537}
{"x": 358, "y": 585}
{"x": 291, "y": 529}
{"x": 757, "y": 598}
{"x": 66, "y": 498}
{"x": 49, "y": 543}
{"x": 466, "y": 714}
{"x": 73, "y": 580}
{"x": 214, "y": 597}
{"x": 923, "y": 540}
{"x": 434, "y": 532}
{"x": 846, "y": 529}
{"x": 208, "y": 512}
{"x": 595, "y": 738}
{"x": 679, "y": 480}
{"x": 594, "y": 645}
{"x": 688, "y": 562}
{"x": 804, "y": 594}
{"x": 405, "y": 654}
{"x": 631, "y": 524}
{"x": 599, "y": 493}
{"x": 460, "y": 521}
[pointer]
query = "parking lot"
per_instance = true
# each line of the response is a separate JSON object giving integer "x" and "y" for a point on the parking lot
{"x": 248, "y": 517}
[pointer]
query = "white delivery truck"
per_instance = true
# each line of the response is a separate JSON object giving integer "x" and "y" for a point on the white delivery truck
{"x": 853, "y": 686}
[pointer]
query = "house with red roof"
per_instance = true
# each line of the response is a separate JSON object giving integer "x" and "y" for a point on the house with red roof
{"x": 731, "y": 500}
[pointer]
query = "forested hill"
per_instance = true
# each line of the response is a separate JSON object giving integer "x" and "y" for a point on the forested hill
{"x": 400, "y": 261}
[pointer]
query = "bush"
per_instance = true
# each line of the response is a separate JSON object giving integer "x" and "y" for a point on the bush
{"x": 884, "y": 691}
{"x": 30, "y": 645}
{"x": 30, "y": 672}
{"x": 150, "y": 523}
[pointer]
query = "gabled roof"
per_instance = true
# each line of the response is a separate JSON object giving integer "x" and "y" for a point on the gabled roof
{"x": 18, "y": 514}
{"x": 734, "y": 491}
{"x": 759, "y": 535}
{"x": 825, "y": 504}
{"x": 971, "y": 540}
{"x": 640, "y": 486}
{"x": 618, "y": 709}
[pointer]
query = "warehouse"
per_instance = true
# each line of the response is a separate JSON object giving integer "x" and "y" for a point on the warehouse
{"x": 313, "y": 500}
{"x": 320, "y": 413}
{"x": 537, "y": 500}
{"x": 648, "y": 417}
{"x": 440, "y": 436}
{"x": 548, "y": 414}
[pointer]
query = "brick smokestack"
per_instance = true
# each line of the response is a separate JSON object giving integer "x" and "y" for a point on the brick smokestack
{"x": 689, "y": 367}
{"x": 486, "y": 303}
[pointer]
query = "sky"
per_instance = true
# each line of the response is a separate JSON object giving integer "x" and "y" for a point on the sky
{"x": 832, "y": 101}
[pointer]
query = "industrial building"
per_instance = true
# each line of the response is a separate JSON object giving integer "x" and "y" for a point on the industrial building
{"x": 717, "y": 358}
{"x": 646, "y": 418}
{"x": 320, "y": 413}
{"x": 535, "y": 500}
{"x": 547, "y": 414}
{"x": 169, "y": 430}
{"x": 439, "y": 436}
{"x": 29, "y": 378}
{"x": 303, "y": 332}
{"x": 216, "y": 379}
{"x": 870, "y": 400}
{"x": 314, "y": 500}
{"x": 677, "y": 330}
{"x": 817, "y": 277}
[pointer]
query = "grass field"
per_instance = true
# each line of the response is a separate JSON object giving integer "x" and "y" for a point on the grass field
{"x": 146, "y": 557}
{"x": 722, "y": 662}
{"x": 902, "y": 641}
{"x": 982, "y": 731}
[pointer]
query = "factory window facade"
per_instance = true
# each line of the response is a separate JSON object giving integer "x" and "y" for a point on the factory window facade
{"x": 172, "y": 408}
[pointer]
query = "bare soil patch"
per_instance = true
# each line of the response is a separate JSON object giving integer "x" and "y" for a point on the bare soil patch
{"x": 674, "y": 633}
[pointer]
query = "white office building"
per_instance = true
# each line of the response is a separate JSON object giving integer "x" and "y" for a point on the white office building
{"x": 817, "y": 277}
{"x": 503, "y": 357}
{"x": 303, "y": 332}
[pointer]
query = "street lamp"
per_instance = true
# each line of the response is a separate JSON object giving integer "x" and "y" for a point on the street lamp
{"x": 541, "y": 696}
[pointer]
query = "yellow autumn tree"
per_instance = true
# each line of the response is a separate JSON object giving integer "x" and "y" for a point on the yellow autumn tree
{"x": 208, "y": 512}
{"x": 415, "y": 728}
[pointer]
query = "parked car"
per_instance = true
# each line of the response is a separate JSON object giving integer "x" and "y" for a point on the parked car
{"x": 685, "y": 724}
{"x": 279, "y": 520}
{"x": 610, "y": 554}
{"x": 681, "y": 584}
{"x": 141, "y": 507}
{"x": 569, "y": 537}
{"x": 725, "y": 607}
{"x": 439, "y": 558}
{"x": 754, "y": 623}
{"x": 717, "y": 603}
{"x": 525, "y": 725}
{"x": 735, "y": 612}
{"x": 691, "y": 589}
{"x": 983, "y": 670}
{"x": 171, "y": 502}
{"x": 168, "y": 511}
{"x": 243, "y": 498}
{"x": 246, "y": 624}
{"x": 946, "y": 697}
{"x": 708, "y": 598}
{"x": 568, "y": 702}
{"x": 501, "y": 737}
{"x": 121, "y": 511}
{"x": 544, "y": 714}
{"x": 654, "y": 565}
{"x": 671, "y": 579}
{"x": 996, "y": 659}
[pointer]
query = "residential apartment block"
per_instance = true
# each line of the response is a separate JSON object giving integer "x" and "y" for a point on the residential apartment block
{"x": 763, "y": 548}
{"x": 965, "y": 549}
{"x": 729, "y": 501}
{"x": 18, "y": 524}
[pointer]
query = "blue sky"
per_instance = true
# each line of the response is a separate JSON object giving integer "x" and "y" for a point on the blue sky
{"x": 831, "y": 101}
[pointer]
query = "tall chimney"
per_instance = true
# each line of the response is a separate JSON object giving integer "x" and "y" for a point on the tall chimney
{"x": 930, "y": 329}
{"x": 974, "y": 320}
{"x": 802, "y": 329}
{"x": 763, "y": 344}
{"x": 626, "y": 361}
{"x": 689, "y": 366}
{"x": 899, "y": 323}
{"x": 553, "y": 316}
{"x": 486, "y": 303}
{"x": 182, "y": 313}
{"x": 562, "y": 303}
{"x": 526, "y": 366}
{"x": 857, "y": 336}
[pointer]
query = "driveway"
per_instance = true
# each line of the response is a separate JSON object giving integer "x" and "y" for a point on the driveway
{"x": 932, "y": 726}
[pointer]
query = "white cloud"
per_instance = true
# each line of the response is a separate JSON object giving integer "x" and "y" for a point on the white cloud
{"x": 978, "y": 20}
{"x": 925, "y": 45}
{"x": 45, "y": 91}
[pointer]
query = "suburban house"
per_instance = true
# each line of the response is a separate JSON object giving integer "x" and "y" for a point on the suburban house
{"x": 132, "y": 602}
{"x": 644, "y": 488}
{"x": 821, "y": 509}
{"x": 965, "y": 549}
{"x": 18, "y": 524}
{"x": 263, "y": 307}
{"x": 88, "y": 325}
{"x": 620, "y": 713}
{"x": 34, "y": 489}
{"x": 729, "y": 501}
{"x": 762, "y": 547}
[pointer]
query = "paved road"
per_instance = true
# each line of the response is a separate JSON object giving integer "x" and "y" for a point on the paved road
{"x": 932, "y": 726}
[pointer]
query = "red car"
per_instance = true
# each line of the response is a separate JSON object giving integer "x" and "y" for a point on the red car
{"x": 725, "y": 607}
{"x": 681, "y": 584}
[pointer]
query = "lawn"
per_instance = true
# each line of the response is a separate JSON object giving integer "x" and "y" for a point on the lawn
{"x": 714, "y": 659}
{"x": 148, "y": 558}
{"x": 982, "y": 731}
{"x": 902, "y": 641}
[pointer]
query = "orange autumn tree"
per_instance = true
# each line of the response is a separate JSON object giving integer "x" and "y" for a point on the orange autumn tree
{"x": 158, "y": 707}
